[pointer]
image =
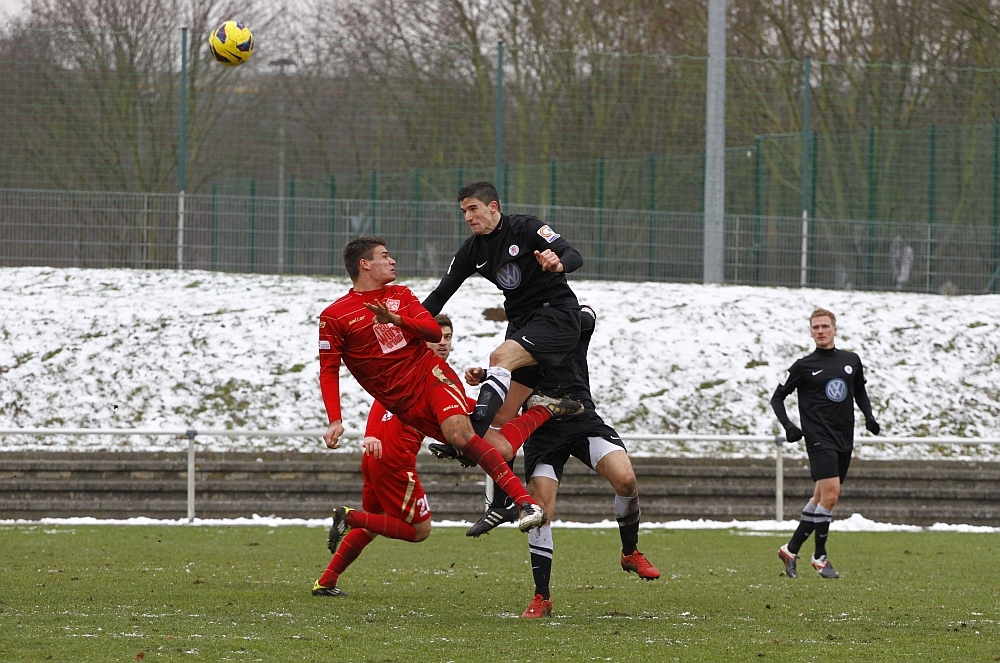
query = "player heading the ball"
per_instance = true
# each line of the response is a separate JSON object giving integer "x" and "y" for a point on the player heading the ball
{"x": 528, "y": 260}
{"x": 380, "y": 332}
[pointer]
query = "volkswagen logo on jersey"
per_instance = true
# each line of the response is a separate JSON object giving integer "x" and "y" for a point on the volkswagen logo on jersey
{"x": 836, "y": 390}
{"x": 509, "y": 276}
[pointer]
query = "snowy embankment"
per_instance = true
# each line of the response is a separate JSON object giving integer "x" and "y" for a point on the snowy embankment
{"x": 151, "y": 349}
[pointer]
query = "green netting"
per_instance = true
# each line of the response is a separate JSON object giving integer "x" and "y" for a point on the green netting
{"x": 93, "y": 109}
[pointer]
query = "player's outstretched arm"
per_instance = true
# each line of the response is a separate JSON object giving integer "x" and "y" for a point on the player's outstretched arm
{"x": 382, "y": 313}
{"x": 411, "y": 317}
{"x": 461, "y": 268}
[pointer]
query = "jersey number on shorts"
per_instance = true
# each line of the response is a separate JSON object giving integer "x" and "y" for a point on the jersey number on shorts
{"x": 423, "y": 508}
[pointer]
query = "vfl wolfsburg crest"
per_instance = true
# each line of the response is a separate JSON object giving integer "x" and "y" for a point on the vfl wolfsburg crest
{"x": 836, "y": 390}
{"x": 509, "y": 276}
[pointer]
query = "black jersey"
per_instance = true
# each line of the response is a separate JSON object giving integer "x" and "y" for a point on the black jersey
{"x": 506, "y": 257}
{"x": 829, "y": 382}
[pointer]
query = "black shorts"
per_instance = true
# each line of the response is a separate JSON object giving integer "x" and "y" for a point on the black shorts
{"x": 586, "y": 437}
{"x": 548, "y": 334}
{"x": 826, "y": 463}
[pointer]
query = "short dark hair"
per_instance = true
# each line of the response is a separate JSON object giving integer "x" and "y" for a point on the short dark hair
{"x": 820, "y": 312}
{"x": 361, "y": 248}
{"x": 444, "y": 321}
{"x": 482, "y": 191}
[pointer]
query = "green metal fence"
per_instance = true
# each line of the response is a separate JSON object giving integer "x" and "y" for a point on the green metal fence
{"x": 100, "y": 110}
{"x": 261, "y": 234}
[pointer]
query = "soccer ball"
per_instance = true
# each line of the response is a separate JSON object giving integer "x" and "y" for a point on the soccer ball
{"x": 231, "y": 43}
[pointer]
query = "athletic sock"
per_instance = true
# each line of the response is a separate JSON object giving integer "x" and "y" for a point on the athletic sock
{"x": 627, "y": 512}
{"x": 488, "y": 458}
{"x": 387, "y": 526}
{"x": 501, "y": 500}
{"x": 518, "y": 430}
{"x": 350, "y": 547}
{"x": 807, "y": 522}
{"x": 492, "y": 391}
{"x": 823, "y": 518}
{"x": 540, "y": 547}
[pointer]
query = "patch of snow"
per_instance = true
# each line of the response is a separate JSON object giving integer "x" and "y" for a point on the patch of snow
{"x": 122, "y": 348}
{"x": 856, "y": 523}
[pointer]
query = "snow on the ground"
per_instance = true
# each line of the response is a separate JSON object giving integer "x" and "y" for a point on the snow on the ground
{"x": 159, "y": 349}
{"x": 856, "y": 523}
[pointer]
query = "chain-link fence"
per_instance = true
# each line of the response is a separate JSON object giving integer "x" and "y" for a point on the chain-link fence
{"x": 306, "y": 235}
{"x": 359, "y": 120}
{"x": 92, "y": 109}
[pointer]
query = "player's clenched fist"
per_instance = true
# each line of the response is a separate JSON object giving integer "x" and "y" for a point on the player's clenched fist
{"x": 474, "y": 375}
{"x": 549, "y": 261}
{"x": 332, "y": 434}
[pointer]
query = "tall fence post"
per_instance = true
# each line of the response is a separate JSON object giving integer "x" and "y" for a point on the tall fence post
{"x": 652, "y": 212}
{"x": 804, "y": 258}
{"x": 499, "y": 127}
{"x": 506, "y": 180}
{"x": 416, "y": 218}
{"x": 333, "y": 222}
{"x": 182, "y": 151}
{"x": 291, "y": 223}
{"x": 931, "y": 206}
{"x": 190, "y": 434}
{"x": 374, "y": 193}
{"x": 779, "y": 478}
{"x": 600, "y": 216}
{"x": 281, "y": 182}
{"x": 996, "y": 186}
{"x": 714, "y": 242}
{"x": 253, "y": 225}
{"x": 757, "y": 239}
{"x": 552, "y": 183}
{"x": 869, "y": 262}
{"x": 215, "y": 222}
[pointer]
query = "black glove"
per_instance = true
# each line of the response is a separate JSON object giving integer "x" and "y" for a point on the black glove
{"x": 793, "y": 433}
{"x": 872, "y": 426}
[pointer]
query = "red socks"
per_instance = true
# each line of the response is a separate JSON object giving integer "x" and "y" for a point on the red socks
{"x": 518, "y": 430}
{"x": 493, "y": 463}
{"x": 350, "y": 547}
{"x": 355, "y": 541}
{"x": 387, "y": 526}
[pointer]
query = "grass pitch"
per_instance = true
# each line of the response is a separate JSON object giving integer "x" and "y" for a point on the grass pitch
{"x": 242, "y": 594}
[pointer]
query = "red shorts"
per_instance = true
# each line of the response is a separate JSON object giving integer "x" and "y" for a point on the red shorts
{"x": 439, "y": 395}
{"x": 393, "y": 492}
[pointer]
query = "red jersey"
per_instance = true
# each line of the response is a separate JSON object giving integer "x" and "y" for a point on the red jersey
{"x": 400, "y": 443}
{"x": 385, "y": 359}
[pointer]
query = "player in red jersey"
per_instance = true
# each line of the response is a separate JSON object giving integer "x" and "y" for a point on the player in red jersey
{"x": 393, "y": 502}
{"x": 380, "y": 331}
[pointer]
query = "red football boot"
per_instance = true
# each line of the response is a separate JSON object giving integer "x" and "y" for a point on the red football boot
{"x": 538, "y": 608}
{"x": 637, "y": 563}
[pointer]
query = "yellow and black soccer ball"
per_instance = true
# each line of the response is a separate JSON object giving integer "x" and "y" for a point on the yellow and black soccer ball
{"x": 231, "y": 43}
